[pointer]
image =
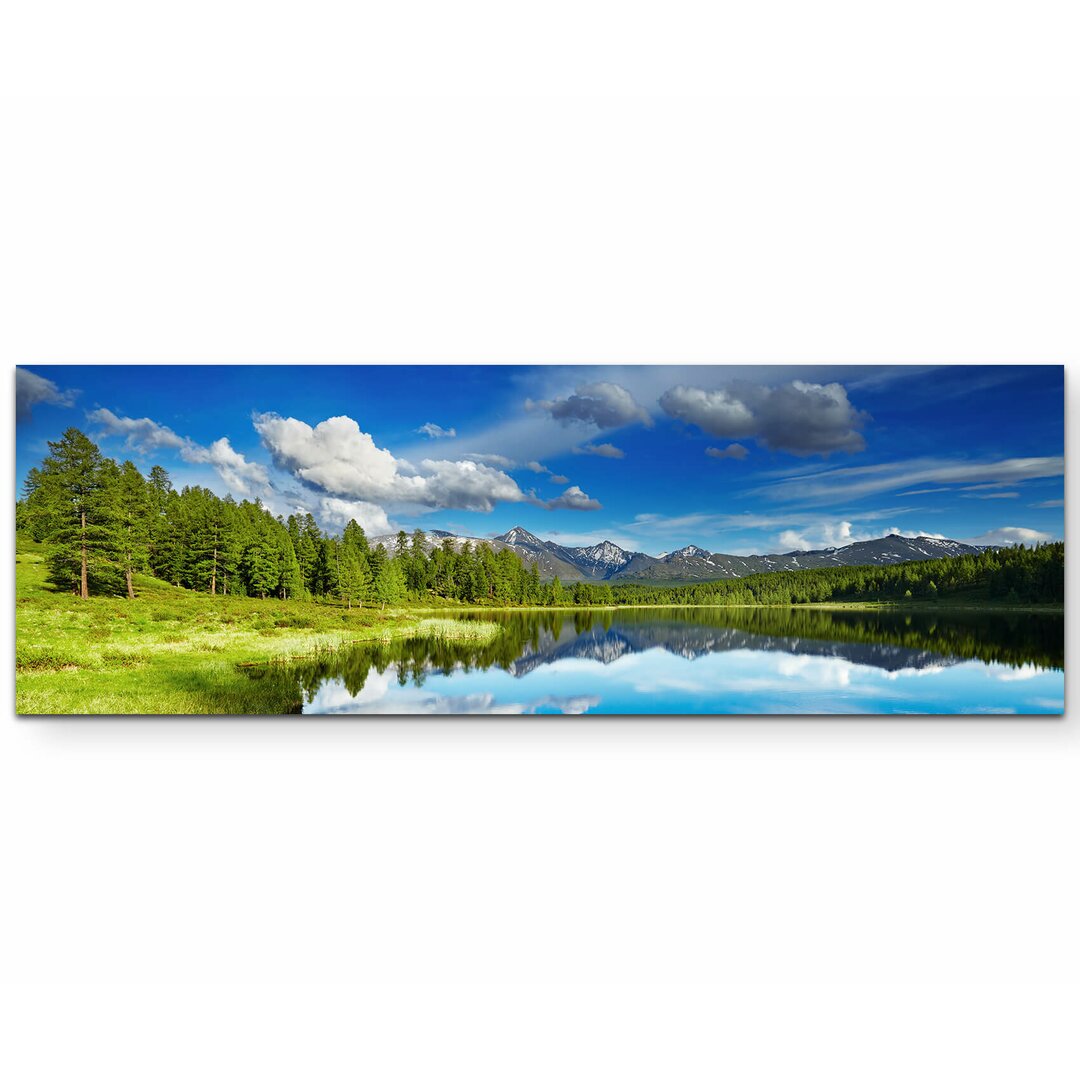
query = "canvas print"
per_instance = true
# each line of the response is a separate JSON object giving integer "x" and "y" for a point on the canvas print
{"x": 539, "y": 539}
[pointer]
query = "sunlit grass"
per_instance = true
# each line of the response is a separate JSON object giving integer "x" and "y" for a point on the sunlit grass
{"x": 171, "y": 651}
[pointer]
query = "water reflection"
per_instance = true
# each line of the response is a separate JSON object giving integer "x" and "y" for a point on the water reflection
{"x": 755, "y": 660}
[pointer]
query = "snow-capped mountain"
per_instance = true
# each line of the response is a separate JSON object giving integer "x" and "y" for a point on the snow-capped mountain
{"x": 602, "y": 560}
{"x": 691, "y": 551}
{"x": 702, "y": 566}
{"x": 607, "y": 561}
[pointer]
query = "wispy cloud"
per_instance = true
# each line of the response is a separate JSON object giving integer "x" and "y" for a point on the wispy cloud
{"x": 860, "y": 481}
{"x": 1049, "y": 504}
{"x": 433, "y": 431}
{"x": 498, "y": 460}
{"x": 600, "y": 450}
{"x": 543, "y": 470}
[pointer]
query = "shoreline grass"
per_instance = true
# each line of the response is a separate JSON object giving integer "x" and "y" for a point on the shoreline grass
{"x": 173, "y": 652}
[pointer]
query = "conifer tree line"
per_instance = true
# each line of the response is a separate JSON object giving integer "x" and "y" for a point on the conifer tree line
{"x": 102, "y": 523}
{"x": 1013, "y": 575}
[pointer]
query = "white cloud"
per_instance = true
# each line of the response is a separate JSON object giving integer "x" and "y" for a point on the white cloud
{"x": 799, "y": 417}
{"x": 838, "y": 534}
{"x": 994, "y": 495}
{"x": 433, "y": 431}
{"x": 144, "y": 435}
{"x": 31, "y": 390}
{"x": 733, "y": 451}
{"x": 600, "y": 450}
{"x": 141, "y": 435}
{"x": 1008, "y": 535}
{"x": 573, "y": 498}
{"x": 556, "y": 478}
{"x": 243, "y": 476}
{"x": 605, "y": 404}
{"x": 337, "y": 458}
{"x": 339, "y": 512}
{"x": 536, "y": 467}
{"x": 1049, "y": 504}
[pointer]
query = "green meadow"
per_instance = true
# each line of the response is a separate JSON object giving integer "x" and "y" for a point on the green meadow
{"x": 174, "y": 651}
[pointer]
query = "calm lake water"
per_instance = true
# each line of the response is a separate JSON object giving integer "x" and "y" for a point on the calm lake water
{"x": 733, "y": 661}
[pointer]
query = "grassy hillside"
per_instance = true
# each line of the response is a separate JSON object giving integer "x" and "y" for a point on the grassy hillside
{"x": 171, "y": 650}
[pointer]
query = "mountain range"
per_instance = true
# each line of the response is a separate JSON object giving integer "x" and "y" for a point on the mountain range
{"x": 607, "y": 561}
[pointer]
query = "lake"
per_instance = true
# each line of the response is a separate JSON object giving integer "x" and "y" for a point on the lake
{"x": 707, "y": 661}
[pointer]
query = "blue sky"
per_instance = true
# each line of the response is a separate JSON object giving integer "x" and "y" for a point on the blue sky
{"x": 739, "y": 459}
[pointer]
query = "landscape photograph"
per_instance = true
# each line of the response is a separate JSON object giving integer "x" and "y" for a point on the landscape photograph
{"x": 539, "y": 540}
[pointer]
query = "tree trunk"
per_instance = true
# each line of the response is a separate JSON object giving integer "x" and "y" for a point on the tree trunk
{"x": 131, "y": 591}
{"x": 84, "y": 591}
{"x": 213, "y": 576}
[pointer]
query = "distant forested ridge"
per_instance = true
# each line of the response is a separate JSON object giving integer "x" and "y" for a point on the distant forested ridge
{"x": 104, "y": 522}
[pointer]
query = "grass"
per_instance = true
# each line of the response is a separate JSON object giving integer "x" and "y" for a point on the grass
{"x": 171, "y": 651}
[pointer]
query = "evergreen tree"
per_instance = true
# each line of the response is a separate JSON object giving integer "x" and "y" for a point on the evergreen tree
{"x": 390, "y": 583}
{"x": 69, "y": 497}
{"x": 132, "y": 521}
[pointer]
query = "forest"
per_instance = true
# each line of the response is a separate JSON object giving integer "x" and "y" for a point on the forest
{"x": 102, "y": 523}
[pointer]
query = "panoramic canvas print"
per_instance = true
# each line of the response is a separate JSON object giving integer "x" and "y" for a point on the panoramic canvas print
{"x": 533, "y": 539}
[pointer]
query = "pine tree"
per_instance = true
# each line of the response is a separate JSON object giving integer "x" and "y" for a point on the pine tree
{"x": 390, "y": 583}
{"x": 69, "y": 497}
{"x": 290, "y": 579}
{"x": 308, "y": 552}
{"x": 132, "y": 520}
{"x": 261, "y": 567}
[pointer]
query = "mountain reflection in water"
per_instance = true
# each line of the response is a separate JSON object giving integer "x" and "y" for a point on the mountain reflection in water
{"x": 715, "y": 660}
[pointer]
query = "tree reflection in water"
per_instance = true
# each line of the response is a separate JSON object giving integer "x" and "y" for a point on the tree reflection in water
{"x": 887, "y": 640}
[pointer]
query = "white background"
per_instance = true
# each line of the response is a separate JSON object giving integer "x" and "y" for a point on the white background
{"x": 570, "y": 182}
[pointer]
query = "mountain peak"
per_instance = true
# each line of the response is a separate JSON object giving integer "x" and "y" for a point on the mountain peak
{"x": 518, "y": 535}
{"x": 691, "y": 551}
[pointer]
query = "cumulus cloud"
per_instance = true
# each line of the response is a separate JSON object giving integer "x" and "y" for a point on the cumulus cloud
{"x": 1009, "y": 535}
{"x": 433, "y": 431}
{"x": 339, "y": 512}
{"x": 337, "y": 458}
{"x": 144, "y": 435}
{"x": 243, "y": 476}
{"x": 733, "y": 451}
{"x": 604, "y": 449}
{"x": 799, "y": 417}
{"x": 573, "y": 498}
{"x": 536, "y": 467}
{"x": 31, "y": 390}
{"x": 605, "y": 404}
{"x": 555, "y": 478}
